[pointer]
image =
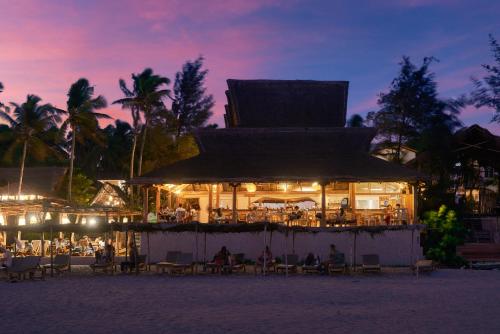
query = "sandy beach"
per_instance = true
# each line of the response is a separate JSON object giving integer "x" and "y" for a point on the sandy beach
{"x": 447, "y": 301}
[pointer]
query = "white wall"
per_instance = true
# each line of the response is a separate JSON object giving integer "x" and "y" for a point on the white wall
{"x": 394, "y": 247}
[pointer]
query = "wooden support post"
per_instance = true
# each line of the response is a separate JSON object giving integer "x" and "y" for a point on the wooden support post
{"x": 145, "y": 205}
{"x": 235, "y": 202}
{"x": 210, "y": 200}
{"x": 217, "y": 196}
{"x": 323, "y": 205}
{"x": 158, "y": 203}
{"x": 51, "y": 252}
{"x": 415, "y": 204}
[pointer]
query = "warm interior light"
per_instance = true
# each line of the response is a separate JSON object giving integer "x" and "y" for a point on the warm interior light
{"x": 48, "y": 216}
{"x": 2, "y": 220}
{"x": 65, "y": 220}
{"x": 84, "y": 221}
{"x": 33, "y": 219}
{"x": 92, "y": 221}
{"x": 251, "y": 187}
{"x": 22, "y": 221}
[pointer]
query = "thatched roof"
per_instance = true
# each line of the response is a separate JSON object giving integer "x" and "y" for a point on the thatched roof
{"x": 286, "y": 103}
{"x": 281, "y": 154}
{"x": 41, "y": 181}
{"x": 478, "y": 143}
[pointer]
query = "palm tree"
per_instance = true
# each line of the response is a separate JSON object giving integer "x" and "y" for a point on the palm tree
{"x": 1, "y": 90}
{"x": 145, "y": 97}
{"x": 81, "y": 118}
{"x": 30, "y": 121}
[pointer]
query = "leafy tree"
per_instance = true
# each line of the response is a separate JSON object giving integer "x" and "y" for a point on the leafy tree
{"x": 29, "y": 122}
{"x": 355, "y": 121}
{"x": 83, "y": 189}
{"x": 148, "y": 91}
{"x": 443, "y": 234}
{"x": 487, "y": 90}
{"x": 81, "y": 118}
{"x": 192, "y": 107}
{"x": 411, "y": 108}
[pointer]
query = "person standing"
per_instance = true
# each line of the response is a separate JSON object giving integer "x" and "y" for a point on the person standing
{"x": 180, "y": 214}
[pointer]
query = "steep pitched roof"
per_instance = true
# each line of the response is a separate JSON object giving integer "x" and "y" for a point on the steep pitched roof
{"x": 36, "y": 181}
{"x": 286, "y": 103}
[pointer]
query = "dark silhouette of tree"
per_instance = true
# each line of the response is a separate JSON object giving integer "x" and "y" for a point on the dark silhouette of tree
{"x": 192, "y": 107}
{"x": 82, "y": 119}
{"x": 29, "y": 122}
{"x": 487, "y": 90}
{"x": 355, "y": 121}
{"x": 412, "y": 108}
{"x": 146, "y": 96}
{"x": 1, "y": 90}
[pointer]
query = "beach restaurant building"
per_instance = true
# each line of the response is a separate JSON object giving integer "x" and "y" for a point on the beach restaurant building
{"x": 286, "y": 150}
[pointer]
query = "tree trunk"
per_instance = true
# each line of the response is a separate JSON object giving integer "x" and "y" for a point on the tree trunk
{"x": 21, "y": 173}
{"x": 132, "y": 160}
{"x": 141, "y": 151}
{"x": 71, "y": 162}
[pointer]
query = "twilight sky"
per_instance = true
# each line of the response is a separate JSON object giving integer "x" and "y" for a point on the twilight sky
{"x": 46, "y": 45}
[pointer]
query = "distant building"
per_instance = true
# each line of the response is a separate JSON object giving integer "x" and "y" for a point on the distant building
{"x": 38, "y": 183}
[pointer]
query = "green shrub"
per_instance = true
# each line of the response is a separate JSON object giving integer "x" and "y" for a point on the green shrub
{"x": 443, "y": 234}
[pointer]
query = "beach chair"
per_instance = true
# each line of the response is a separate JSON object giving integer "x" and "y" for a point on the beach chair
{"x": 141, "y": 264}
{"x": 61, "y": 264}
{"x": 371, "y": 263}
{"x": 183, "y": 263}
{"x": 290, "y": 264}
{"x": 311, "y": 269}
{"x": 238, "y": 263}
{"x": 270, "y": 267}
{"x": 170, "y": 260}
{"x": 107, "y": 267}
{"x": 338, "y": 265}
{"x": 22, "y": 266}
{"x": 423, "y": 266}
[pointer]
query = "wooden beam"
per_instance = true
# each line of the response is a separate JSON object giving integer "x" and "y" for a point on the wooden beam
{"x": 235, "y": 203}
{"x": 323, "y": 205}
{"x": 210, "y": 200}
{"x": 145, "y": 204}
{"x": 158, "y": 203}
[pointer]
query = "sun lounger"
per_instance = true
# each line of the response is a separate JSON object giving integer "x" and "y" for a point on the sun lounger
{"x": 107, "y": 267}
{"x": 423, "y": 266}
{"x": 238, "y": 264}
{"x": 170, "y": 260}
{"x": 184, "y": 262}
{"x": 338, "y": 265}
{"x": 371, "y": 263}
{"x": 61, "y": 263}
{"x": 22, "y": 266}
{"x": 290, "y": 264}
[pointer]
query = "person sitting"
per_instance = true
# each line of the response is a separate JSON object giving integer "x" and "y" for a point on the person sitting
{"x": 194, "y": 213}
{"x": 6, "y": 259}
{"x": 180, "y": 214}
{"x": 19, "y": 246}
{"x": 310, "y": 260}
{"x": 223, "y": 259}
{"x": 132, "y": 261}
{"x": 219, "y": 217}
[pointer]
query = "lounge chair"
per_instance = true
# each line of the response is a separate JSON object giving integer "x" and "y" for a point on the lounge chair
{"x": 371, "y": 263}
{"x": 270, "y": 267}
{"x": 184, "y": 262}
{"x": 290, "y": 264}
{"x": 22, "y": 266}
{"x": 61, "y": 264}
{"x": 238, "y": 264}
{"x": 423, "y": 266}
{"x": 338, "y": 265}
{"x": 170, "y": 260}
{"x": 107, "y": 267}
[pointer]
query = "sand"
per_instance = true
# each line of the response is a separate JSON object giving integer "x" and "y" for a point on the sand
{"x": 447, "y": 301}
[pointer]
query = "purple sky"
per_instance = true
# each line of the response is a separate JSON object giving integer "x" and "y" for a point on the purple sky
{"x": 46, "y": 45}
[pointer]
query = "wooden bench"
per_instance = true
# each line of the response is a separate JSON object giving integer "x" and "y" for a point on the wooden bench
{"x": 479, "y": 252}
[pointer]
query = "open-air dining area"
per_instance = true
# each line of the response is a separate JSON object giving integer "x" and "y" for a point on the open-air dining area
{"x": 294, "y": 204}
